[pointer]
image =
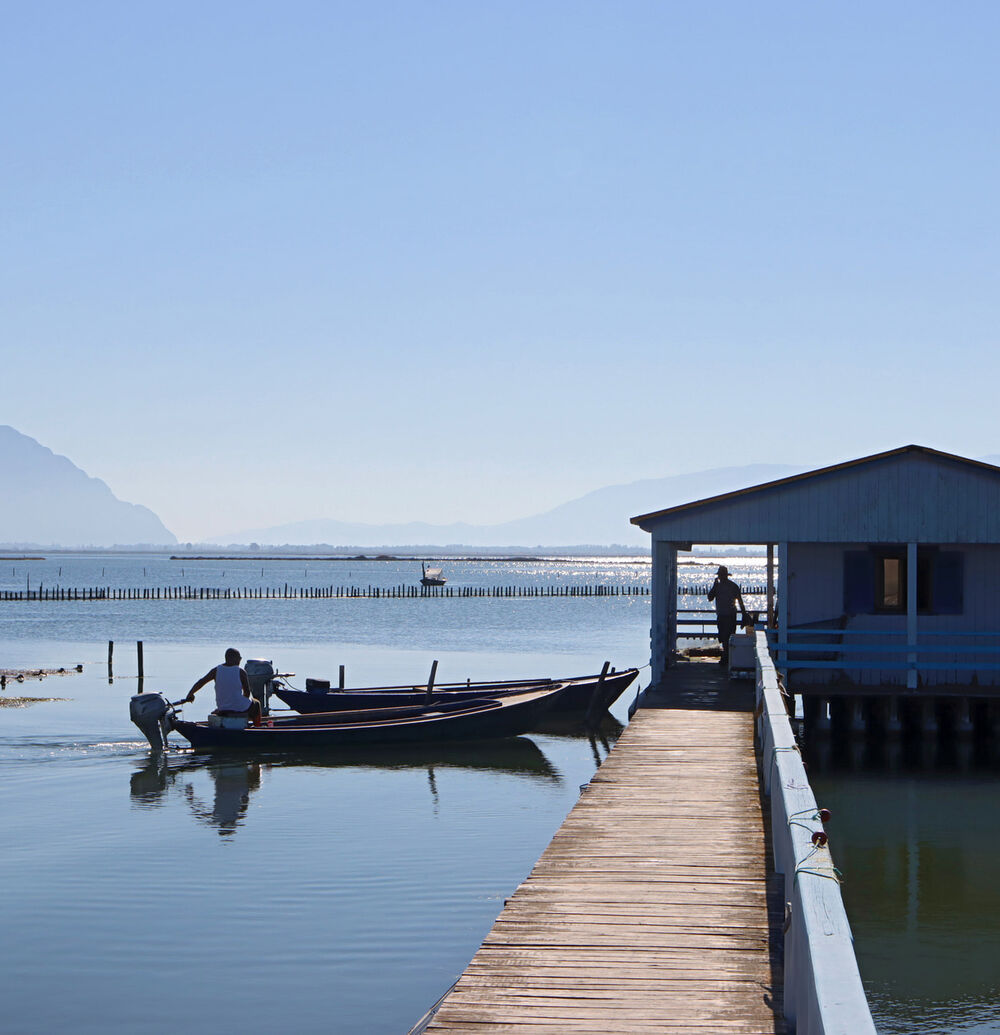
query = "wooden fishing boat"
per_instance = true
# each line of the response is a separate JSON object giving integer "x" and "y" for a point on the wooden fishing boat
{"x": 477, "y": 719}
{"x": 577, "y": 696}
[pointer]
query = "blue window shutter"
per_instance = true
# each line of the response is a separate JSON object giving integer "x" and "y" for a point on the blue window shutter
{"x": 859, "y": 582}
{"x": 949, "y": 583}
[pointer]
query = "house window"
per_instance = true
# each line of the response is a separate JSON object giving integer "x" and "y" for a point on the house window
{"x": 876, "y": 580}
{"x": 890, "y": 590}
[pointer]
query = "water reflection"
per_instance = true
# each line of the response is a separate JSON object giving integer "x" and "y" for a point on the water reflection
{"x": 236, "y": 777}
{"x": 913, "y": 831}
{"x": 233, "y": 783}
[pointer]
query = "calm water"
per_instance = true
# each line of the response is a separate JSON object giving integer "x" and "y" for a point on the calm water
{"x": 138, "y": 895}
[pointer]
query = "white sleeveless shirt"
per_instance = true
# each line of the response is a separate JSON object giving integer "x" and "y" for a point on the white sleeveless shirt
{"x": 229, "y": 689}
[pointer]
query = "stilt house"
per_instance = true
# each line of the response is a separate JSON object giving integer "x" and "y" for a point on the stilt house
{"x": 884, "y": 570}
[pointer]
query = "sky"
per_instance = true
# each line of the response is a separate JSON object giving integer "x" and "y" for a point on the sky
{"x": 440, "y": 261}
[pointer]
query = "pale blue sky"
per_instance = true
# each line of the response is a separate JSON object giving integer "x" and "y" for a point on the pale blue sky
{"x": 464, "y": 261}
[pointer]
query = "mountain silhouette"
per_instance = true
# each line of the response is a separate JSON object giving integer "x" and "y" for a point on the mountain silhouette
{"x": 600, "y": 518}
{"x": 49, "y": 501}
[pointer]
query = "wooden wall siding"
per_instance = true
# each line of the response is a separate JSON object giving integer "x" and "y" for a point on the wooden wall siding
{"x": 816, "y": 578}
{"x": 911, "y": 497}
{"x": 652, "y": 909}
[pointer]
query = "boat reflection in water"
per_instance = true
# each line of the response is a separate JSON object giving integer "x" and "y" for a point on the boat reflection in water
{"x": 236, "y": 778}
{"x": 233, "y": 783}
{"x": 233, "y": 780}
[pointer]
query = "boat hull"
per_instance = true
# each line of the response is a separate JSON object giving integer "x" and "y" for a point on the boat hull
{"x": 577, "y": 696}
{"x": 479, "y": 719}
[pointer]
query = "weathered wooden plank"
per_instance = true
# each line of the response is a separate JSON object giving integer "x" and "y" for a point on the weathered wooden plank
{"x": 650, "y": 909}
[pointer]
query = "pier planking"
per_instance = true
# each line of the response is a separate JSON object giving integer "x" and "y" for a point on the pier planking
{"x": 652, "y": 908}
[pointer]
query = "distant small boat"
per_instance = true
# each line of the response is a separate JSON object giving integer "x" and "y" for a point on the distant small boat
{"x": 478, "y": 719}
{"x": 431, "y": 576}
{"x": 579, "y": 691}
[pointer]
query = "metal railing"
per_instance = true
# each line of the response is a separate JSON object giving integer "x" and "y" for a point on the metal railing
{"x": 823, "y": 990}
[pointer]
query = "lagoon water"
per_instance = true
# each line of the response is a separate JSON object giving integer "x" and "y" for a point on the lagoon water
{"x": 345, "y": 895}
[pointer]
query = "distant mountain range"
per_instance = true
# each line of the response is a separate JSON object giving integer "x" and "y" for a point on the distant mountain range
{"x": 600, "y": 518}
{"x": 49, "y": 501}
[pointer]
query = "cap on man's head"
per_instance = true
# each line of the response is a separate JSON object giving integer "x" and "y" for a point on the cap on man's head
{"x": 232, "y": 655}
{"x": 723, "y": 570}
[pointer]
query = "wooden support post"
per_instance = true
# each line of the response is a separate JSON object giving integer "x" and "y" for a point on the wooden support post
{"x": 430, "y": 682}
{"x": 782, "y": 617}
{"x": 597, "y": 706}
{"x": 770, "y": 585}
{"x": 911, "y": 615}
{"x": 341, "y": 677}
{"x": 111, "y": 654}
{"x": 138, "y": 652}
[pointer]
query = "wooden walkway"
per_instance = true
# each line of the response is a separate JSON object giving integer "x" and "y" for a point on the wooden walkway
{"x": 650, "y": 910}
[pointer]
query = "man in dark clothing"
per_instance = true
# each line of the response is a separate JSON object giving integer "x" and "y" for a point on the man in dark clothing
{"x": 725, "y": 593}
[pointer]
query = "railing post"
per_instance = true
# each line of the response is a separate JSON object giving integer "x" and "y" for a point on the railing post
{"x": 911, "y": 615}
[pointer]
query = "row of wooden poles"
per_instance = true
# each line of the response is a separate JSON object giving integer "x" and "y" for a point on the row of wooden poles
{"x": 303, "y": 592}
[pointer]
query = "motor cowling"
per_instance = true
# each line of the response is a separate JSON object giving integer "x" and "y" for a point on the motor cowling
{"x": 260, "y": 674}
{"x": 154, "y": 715}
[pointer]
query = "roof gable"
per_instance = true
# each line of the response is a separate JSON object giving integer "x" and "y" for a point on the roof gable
{"x": 910, "y": 494}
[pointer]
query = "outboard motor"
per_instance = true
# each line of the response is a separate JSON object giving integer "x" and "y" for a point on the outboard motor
{"x": 260, "y": 675}
{"x": 154, "y": 715}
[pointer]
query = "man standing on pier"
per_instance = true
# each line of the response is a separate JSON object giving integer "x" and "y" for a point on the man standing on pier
{"x": 725, "y": 593}
{"x": 232, "y": 689}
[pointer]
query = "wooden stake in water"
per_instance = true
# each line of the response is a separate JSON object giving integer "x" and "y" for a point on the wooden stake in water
{"x": 138, "y": 651}
{"x": 430, "y": 682}
{"x": 111, "y": 654}
{"x": 598, "y": 706}
{"x": 341, "y": 677}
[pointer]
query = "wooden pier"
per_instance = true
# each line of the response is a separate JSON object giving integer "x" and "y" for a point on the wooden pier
{"x": 652, "y": 909}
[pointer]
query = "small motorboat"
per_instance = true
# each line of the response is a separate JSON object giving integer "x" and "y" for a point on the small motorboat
{"x": 476, "y": 719}
{"x": 578, "y": 694}
{"x": 431, "y": 576}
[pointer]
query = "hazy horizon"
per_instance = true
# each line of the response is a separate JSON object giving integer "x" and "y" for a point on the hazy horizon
{"x": 469, "y": 262}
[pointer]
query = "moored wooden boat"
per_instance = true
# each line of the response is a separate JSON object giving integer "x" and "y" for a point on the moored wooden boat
{"x": 577, "y": 695}
{"x": 431, "y": 576}
{"x": 466, "y": 720}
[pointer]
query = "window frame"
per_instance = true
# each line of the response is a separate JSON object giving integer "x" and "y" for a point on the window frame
{"x": 925, "y": 579}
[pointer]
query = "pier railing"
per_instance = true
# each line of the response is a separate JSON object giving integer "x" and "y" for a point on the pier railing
{"x": 872, "y": 650}
{"x": 823, "y": 991}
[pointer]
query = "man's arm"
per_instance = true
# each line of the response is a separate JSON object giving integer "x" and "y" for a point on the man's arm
{"x": 205, "y": 679}
{"x": 711, "y": 592}
{"x": 245, "y": 683}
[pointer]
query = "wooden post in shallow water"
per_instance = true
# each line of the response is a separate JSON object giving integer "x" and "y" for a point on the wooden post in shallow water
{"x": 430, "y": 682}
{"x": 111, "y": 654}
{"x": 138, "y": 654}
{"x": 341, "y": 677}
{"x": 597, "y": 705}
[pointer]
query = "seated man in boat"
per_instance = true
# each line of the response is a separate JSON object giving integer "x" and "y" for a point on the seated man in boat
{"x": 232, "y": 689}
